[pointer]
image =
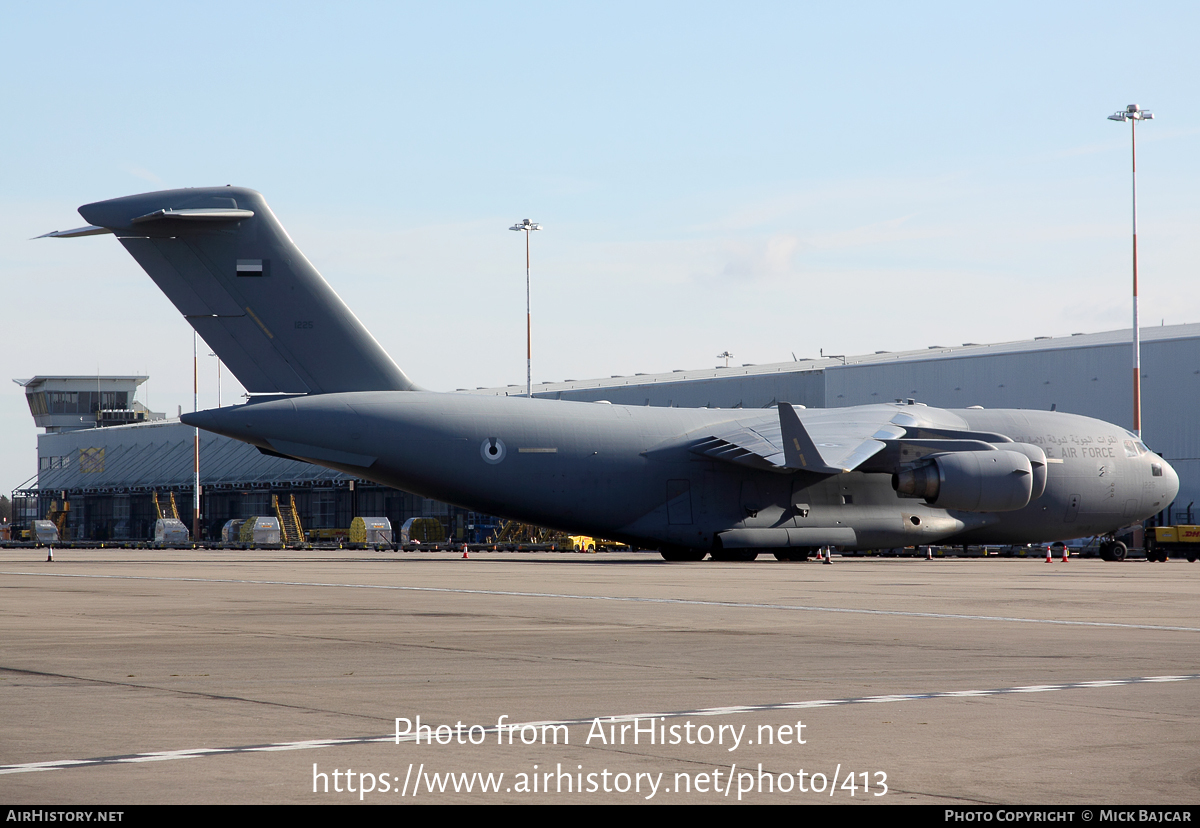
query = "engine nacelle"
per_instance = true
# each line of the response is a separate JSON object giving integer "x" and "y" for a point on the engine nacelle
{"x": 1037, "y": 459}
{"x": 973, "y": 481}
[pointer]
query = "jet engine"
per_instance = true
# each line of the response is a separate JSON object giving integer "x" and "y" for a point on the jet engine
{"x": 1037, "y": 459}
{"x": 976, "y": 481}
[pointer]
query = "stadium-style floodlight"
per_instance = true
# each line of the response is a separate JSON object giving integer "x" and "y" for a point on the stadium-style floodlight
{"x": 528, "y": 226}
{"x": 725, "y": 355}
{"x": 1134, "y": 113}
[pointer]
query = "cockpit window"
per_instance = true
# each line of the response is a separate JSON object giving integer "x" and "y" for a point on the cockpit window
{"x": 1135, "y": 448}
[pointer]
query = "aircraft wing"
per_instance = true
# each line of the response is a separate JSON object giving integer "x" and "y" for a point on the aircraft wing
{"x": 825, "y": 441}
{"x": 756, "y": 443}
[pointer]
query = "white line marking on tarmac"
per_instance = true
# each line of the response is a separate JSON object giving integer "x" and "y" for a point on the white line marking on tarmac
{"x": 311, "y": 744}
{"x": 629, "y": 599}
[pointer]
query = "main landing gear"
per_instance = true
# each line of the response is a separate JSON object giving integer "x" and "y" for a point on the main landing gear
{"x": 1112, "y": 550}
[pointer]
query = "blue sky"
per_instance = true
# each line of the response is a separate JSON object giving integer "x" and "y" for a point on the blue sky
{"x": 764, "y": 178}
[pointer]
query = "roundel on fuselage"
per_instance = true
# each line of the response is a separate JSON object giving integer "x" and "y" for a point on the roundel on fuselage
{"x": 492, "y": 450}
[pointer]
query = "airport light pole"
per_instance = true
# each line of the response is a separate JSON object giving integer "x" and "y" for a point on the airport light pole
{"x": 1134, "y": 113}
{"x": 218, "y": 379}
{"x": 196, "y": 443}
{"x": 528, "y": 226}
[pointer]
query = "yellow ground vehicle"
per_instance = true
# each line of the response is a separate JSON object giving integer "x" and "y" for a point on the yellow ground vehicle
{"x": 1181, "y": 540}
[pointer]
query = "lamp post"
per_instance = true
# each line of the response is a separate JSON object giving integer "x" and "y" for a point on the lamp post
{"x": 218, "y": 379}
{"x": 1133, "y": 113}
{"x": 528, "y": 226}
{"x": 195, "y": 444}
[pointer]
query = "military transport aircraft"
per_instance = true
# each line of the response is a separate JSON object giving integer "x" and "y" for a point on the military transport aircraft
{"x": 688, "y": 482}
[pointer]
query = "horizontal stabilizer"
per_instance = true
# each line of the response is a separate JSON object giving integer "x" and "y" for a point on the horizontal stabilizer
{"x": 90, "y": 230}
{"x": 200, "y": 214}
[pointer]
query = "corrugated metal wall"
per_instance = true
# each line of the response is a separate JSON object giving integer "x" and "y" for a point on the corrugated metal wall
{"x": 734, "y": 389}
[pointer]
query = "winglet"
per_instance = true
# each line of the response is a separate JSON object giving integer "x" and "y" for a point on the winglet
{"x": 799, "y": 451}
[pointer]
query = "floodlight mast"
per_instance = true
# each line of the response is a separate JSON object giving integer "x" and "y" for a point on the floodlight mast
{"x": 528, "y": 226}
{"x": 195, "y": 444}
{"x": 1134, "y": 113}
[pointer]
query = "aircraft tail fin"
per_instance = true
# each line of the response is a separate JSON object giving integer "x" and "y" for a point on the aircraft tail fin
{"x": 222, "y": 258}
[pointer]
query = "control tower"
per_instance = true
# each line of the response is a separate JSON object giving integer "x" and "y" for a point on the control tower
{"x": 69, "y": 403}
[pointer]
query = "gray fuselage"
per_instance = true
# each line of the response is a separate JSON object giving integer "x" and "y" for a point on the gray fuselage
{"x": 629, "y": 473}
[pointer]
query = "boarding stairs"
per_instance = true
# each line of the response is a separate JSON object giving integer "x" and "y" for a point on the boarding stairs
{"x": 166, "y": 508}
{"x": 290, "y": 531}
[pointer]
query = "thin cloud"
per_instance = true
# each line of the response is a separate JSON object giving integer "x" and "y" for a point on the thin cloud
{"x": 141, "y": 172}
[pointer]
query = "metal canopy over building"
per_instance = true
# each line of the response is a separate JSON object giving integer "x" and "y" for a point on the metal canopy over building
{"x": 115, "y": 477}
{"x": 159, "y": 456}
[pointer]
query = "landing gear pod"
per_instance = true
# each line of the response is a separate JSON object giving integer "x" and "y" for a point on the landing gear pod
{"x": 972, "y": 481}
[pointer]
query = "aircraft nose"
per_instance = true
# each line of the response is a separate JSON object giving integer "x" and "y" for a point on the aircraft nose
{"x": 1170, "y": 480}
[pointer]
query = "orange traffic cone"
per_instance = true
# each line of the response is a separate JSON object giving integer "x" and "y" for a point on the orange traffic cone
{"x": 1048, "y": 555}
